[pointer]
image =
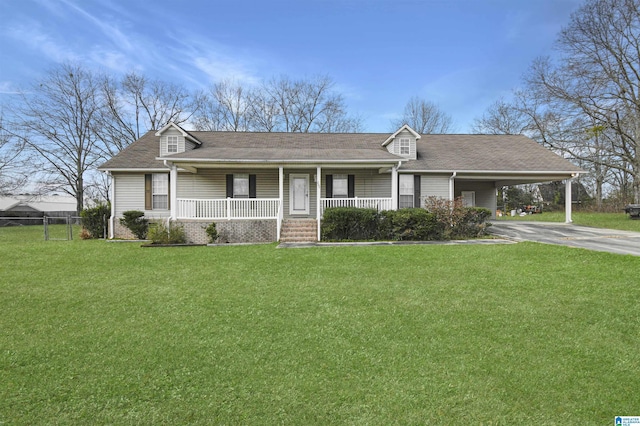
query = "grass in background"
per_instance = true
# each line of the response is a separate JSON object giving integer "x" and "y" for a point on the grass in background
{"x": 110, "y": 333}
{"x": 598, "y": 220}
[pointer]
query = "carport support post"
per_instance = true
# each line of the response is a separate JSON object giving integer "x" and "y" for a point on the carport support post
{"x": 567, "y": 200}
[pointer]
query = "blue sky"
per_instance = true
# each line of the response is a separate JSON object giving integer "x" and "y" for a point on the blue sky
{"x": 460, "y": 54}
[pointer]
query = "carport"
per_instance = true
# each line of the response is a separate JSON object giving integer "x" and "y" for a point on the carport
{"x": 484, "y": 186}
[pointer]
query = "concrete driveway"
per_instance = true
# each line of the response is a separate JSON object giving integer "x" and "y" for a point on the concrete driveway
{"x": 598, "y": 239}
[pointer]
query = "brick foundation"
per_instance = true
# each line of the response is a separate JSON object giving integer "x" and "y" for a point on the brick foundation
{"x": 229, "y": 231}
{"x": 246, "y": 231}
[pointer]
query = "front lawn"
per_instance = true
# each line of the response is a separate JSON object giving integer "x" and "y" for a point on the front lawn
{"x": 110, "y": 333}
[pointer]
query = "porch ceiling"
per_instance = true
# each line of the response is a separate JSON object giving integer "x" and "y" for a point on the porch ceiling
{"x": 193, "y": 166}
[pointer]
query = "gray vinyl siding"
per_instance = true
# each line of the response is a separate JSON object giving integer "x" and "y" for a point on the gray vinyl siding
{"x": 368, "y": 183}
{"x": 394, "y": 145}
{"x": 129, "y": 195}
{"x": 485, "y": 193}
{"x": 163, "y": 141}
{"x": 434, "y": 186}
{"x": 208, "y": 184}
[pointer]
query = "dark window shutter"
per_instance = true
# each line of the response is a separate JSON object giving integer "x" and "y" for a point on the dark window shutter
{"x": 351, "y": 186}
{"x": 252, "y": 186}
{"x": 229, "y": 186}
{"x": 416, "y": 191}
{"x": 147, "y": 192}
{"x": 329, "y": 181}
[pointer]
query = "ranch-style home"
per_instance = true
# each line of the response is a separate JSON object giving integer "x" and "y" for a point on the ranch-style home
{"x": 261, "y": 187}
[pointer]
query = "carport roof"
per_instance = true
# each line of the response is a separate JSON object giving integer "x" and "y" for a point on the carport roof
{"x": 486, "y": 153}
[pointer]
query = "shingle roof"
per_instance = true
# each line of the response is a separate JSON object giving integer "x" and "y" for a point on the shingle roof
{"x": 486, "y": 153}
{"x": 435, "y": 152}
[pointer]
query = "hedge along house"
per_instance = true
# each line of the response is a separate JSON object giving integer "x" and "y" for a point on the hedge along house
{"x": 255, "y": 185}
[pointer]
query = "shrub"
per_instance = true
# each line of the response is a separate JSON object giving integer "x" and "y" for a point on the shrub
{"x": 410, "y": 224}
{"x": 174, "y": 234}
{"x": 457, "y": 221}
{"x": 474, "y": 222}
{"x": 94, "y": 220}
{"x": 85, "y": 234}
{"x": 212, "y": 232}
{"x": 349, "y": 223}
{"x": 134, "y": 220}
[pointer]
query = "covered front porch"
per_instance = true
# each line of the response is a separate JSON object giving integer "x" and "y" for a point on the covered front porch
{"x": 278, "y": 194}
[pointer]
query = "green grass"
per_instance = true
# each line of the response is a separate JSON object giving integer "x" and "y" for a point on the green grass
{"x": 598, "y": 220}
{"x": 110, "y": 333}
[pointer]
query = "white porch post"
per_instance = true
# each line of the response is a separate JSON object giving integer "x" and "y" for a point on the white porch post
{"x": 281, "y": 198}
{"x": 394, "y": 187}
{"x": 567, "y": 200}
{"x": 318, "y": 201}
{"x": 173, "y": 185}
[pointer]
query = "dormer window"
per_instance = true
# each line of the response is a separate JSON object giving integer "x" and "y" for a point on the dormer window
{"x": 172, "y": 144}
{"x": 405, "y": 146}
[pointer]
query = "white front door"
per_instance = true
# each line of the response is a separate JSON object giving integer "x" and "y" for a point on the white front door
{"x": 298, "y": 194}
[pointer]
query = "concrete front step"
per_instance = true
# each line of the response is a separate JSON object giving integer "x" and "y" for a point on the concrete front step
{"x": 300, "y": 230}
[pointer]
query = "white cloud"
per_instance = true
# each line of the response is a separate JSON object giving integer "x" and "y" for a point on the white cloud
{"x": 8, "y": 88}
{"x": 31, "y": 34}
{"x": 111, "y": 31}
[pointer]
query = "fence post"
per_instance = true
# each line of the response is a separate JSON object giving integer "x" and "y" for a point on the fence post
{"x": 69, "y": 228}
{"x": 46, "y": 230}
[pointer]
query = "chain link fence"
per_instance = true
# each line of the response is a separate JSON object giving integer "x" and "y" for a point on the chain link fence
{"x": 51, "y": 228}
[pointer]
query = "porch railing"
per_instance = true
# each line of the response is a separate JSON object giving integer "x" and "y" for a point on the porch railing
{"x": 363, "y": 203}
{"x": 228, "y": 208}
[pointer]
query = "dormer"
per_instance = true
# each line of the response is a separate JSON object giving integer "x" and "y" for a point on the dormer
{"x": 403, "y": 142}
{"x": 174, "y": 139}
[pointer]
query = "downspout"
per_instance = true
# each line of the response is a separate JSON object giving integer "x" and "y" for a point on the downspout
{"x": 452, "y": 186}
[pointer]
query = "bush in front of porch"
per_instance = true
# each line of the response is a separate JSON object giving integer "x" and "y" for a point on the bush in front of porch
{"x": 409, "y": 224}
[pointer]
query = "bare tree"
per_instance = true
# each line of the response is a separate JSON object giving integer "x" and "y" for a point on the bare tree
{"x": 58, "y": 118}
{"x": 599, "y": 77}
{"x": 282, "y": 104}
{"x": 14, "y": 159}
{"x": 424, "y": 117}
{"x": 501, "y": 118}
{"x": 226, "y": 107}
{"x": 154, "y": 103}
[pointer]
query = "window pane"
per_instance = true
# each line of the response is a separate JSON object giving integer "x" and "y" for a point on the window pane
{"x": 172, "y": 144}
{"x": 404, "y": 147}
{"x": 340, "y": 186}
{"x": 160, "y": 183}
{"x": 160, "y": 202}
{"x": 241, "y": 185}
{"x": 405, "y": 201}
{"x": 160, "y": 191}
{"x": 406, "y": 184}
